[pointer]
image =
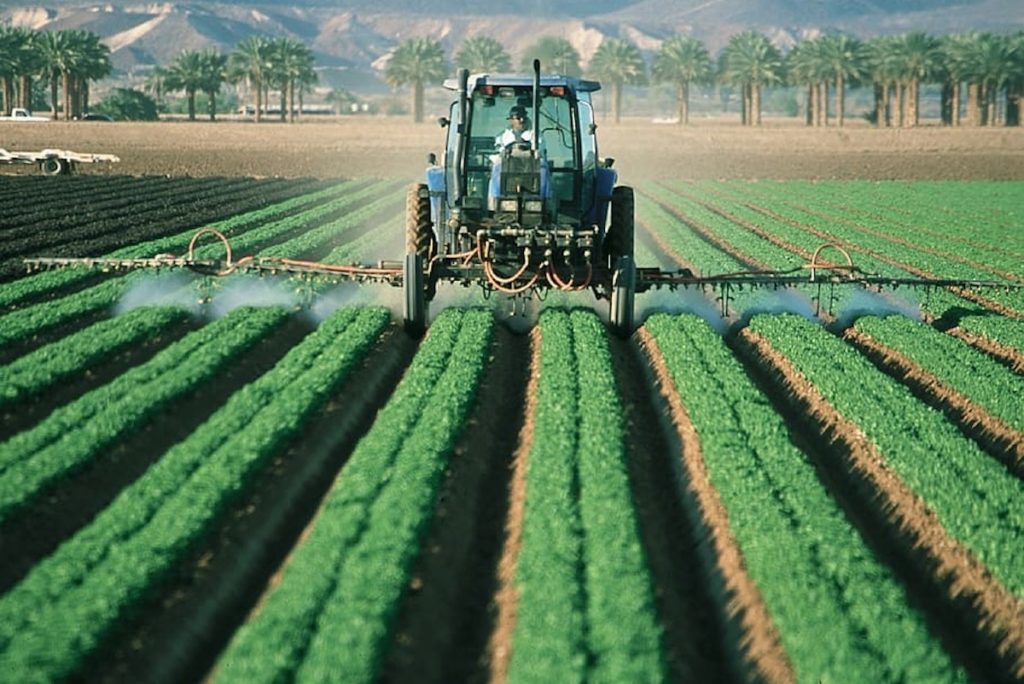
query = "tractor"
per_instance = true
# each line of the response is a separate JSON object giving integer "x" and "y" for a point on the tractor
{"x": 540, "y": 211}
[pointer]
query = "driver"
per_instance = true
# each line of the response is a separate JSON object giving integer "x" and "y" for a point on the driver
{"x": 518, "y": 129}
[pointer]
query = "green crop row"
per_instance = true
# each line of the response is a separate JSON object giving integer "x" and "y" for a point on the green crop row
{"x": 814, "y": 572}
{"x": 70, "y": 602}
{"x": 330, "y": 617}
{"x": 586, "y": 609}
{"x": 20, "y": 324}
{"x": 36, "y": 285}
{"x": 976, "y": 499}
{"x": 77, "y": 432}
{"x": 958, "y": 366}
{"x": 71, "y": 356}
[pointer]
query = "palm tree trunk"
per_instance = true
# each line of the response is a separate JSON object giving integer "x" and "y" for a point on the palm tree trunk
{"x": 840, "y": 100}
{"x": 417, "y": 101}
{"x": 973, "y": 106}
{"x": 683, "y": 95}
{"x": 53, "y": 95}
{"x": 211, "y": 104}
{"x": 66, "y": 83}
{"x": 823, "y": 103}
{"x": 809, "y": 107}
{"x": 291, "y": 100}
{"x": 25, "y": 94}
{"x": 85, "y": 95}
{"x": 258, "y": 87}
{"x": 755, "y": 102}
{"x": 898, "y": 114}
{"x": 191, "y": 95}
{"x": 6, "y": 109}
{"x": 745, "y": 108}
{"x": 954, "y": 103}
{"x": 990, "y": 99}
{"x": 617, "y": 100}
{"x": 879, "y": 105}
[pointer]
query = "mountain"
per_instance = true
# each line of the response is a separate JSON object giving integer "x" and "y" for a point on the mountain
{"x": 350, "y": 36}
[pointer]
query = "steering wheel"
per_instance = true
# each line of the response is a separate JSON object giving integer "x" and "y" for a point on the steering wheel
{"x": 521, "y": 145}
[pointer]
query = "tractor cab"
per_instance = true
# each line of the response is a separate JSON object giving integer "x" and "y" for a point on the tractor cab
{"x": 550, "y": 176}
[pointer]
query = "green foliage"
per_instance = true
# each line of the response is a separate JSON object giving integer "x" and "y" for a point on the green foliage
{"x": 65, "y": 608}
{"x": 586, "y": 607}
{"x": 330, "y": 617}
{"x": 125, "y": 104}
{"x": 556, "y": 55}
{"x": 814, "y": 572}
{"x": 483, "y": 54}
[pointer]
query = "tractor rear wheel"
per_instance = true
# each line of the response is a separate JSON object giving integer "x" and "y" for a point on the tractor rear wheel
{"x": 619, "y": 240}
{"x": 419, "y": 229}
{"x": 415, "y": 306}
{"x": 622, "y": 296}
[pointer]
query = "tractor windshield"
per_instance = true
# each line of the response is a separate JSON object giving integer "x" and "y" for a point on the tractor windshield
{"x": 558, "y": 135}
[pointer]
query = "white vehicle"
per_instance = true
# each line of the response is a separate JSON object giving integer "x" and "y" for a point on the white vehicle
{"x": 55, "y": 162}
{"x": 20, "y": 114}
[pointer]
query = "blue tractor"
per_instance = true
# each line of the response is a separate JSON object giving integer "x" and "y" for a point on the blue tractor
{"x": 519, "y": 214}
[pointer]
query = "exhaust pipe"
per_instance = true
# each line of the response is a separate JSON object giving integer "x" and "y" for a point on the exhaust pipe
{"x": 460, "y": 139}
{"x": 535, "y": 135}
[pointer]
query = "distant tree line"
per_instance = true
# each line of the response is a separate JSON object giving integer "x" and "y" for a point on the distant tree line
{"x": 981, "y": 74}
{"x": 987, "y": 69}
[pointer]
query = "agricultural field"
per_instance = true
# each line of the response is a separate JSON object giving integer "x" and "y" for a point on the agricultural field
{"x": 245, "y": 479}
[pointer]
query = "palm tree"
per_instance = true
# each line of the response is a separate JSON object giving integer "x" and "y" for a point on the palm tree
{"x": 1015, "y": 86}
{"x": 917, "y": 59}
{"x": 155, "y": 85}
{"x": 806, "y": 65}
{"x": 417, "y": 61}
{"x": 751, "y": 61}
{"x": 291, "y": 62}
{"x": 843, "y": 59}
{"x": 212, "y": 74}
{"x": 483, "y": 54}
{"x": 10, "y": 50}
{"x": 93, "y": 64}
{"x": 954, "y": 50}
{"x": 19, "y": 61}
{"x": 249, "y": 62}
{"x": 880, "y": 61}
{"x": 682, "y": 60}
{"x": 556, "y": 54}
{"x": 617, "y": 63}
{"x": 54, "y": 50}
{"x": 187, "y": 73}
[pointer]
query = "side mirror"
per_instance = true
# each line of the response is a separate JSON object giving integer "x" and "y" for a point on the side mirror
{"x": 608, "y": 161}
{"x": 443, "y": 122}
{"x": 592, "y": 128}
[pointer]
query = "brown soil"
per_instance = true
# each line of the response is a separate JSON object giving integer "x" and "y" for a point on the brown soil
{"x": 983, "y": 604}
{"x": 397, "y": 147}
{"x": 762, "y": 648}
{"x": 995, "y": 435}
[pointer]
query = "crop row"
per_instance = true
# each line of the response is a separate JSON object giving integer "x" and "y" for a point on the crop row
{"x": 23, "y": 323}
{"x": 71, "y": 601}
{"x": 50, "y": 282}
{"x": 73, "y": 434}
{"x": 585, "y": 608}
{"x": 330, "y": 616}
{"x": 71, "y": 356}
{"x": 84, "y": 191}
{"x": 813, "y": 570}
{"x": 974, "y": 497}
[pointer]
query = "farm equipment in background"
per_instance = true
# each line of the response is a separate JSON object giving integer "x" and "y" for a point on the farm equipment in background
{"x": 55, "y": 162}
{"x": 541, "y": 213}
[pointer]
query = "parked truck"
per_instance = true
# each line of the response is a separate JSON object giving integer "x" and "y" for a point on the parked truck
{"x": 21, "y": 114}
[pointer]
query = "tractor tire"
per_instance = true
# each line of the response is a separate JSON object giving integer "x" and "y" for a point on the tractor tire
{"x": 623, "y": 296}
{"x": 619, "y": 240}
{"x": 414, "y": 311}
{"x": 52, "y": 166}
{"x": 419, "y": 229}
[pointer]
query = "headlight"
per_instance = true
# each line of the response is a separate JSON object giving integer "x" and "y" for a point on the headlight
{"x": 533, "y": 206}
{"x": 510, "y": 205}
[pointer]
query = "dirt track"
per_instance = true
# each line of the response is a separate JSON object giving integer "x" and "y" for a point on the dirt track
{"x": 395, "y": 147}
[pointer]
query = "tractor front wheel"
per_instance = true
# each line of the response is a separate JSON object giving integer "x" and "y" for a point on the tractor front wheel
{"x": 415, "y": 305}
{"x": 419, "y": 229}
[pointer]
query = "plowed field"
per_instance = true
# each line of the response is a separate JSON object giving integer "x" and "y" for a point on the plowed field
{"x": 265, "y": 480}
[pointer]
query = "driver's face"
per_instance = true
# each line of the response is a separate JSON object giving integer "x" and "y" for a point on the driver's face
{"x": 516, "y": 122}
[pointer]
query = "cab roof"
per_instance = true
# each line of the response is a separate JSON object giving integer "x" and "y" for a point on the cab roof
{"x": 524, "y": 81}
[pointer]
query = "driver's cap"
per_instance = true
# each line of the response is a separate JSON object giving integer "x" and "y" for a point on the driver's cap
{"x": 517, "y": 110}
